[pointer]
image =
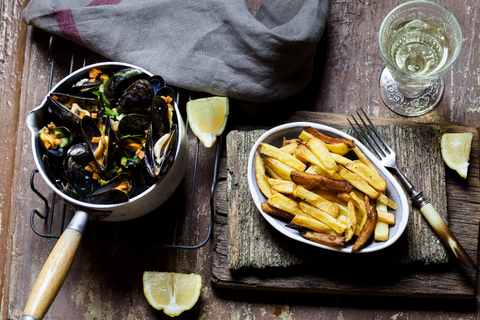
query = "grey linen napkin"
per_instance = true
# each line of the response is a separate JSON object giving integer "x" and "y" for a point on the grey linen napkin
{"x": 215, "y": 46}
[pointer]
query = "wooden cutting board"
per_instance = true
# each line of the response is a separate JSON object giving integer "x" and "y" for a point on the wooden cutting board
{"x": 251, "y": 254}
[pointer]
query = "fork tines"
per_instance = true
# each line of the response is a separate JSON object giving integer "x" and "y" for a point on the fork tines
{"x": 369, "y": 136}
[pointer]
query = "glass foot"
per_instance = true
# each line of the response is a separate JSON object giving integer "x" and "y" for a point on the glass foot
{"x": 410, "y": 107}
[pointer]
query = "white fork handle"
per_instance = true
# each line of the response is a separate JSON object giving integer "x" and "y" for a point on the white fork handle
{"x": 447, "y": 237}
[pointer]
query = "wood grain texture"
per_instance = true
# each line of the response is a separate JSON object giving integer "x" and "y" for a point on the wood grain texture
{"x": 105, "y": 280}
{"x": 419, "y": 245}
{"x": 53, "y": 274}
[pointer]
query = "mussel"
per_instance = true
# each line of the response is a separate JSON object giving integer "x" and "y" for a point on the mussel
{"x": 116, "y": 190}
{"x": 134, "y": 123}
{"x": 80, "y": 179}
{"x": 120, "y": 133}
{"x": 136, "y": 98}
{"x": 80, "y": 153}
{"x": 71, "y": 109}
{"x": 101, "y": 144}
{"x": 132, "y": 150}
{"x": 119, "y": 81}
{"x": 55, "y": 140}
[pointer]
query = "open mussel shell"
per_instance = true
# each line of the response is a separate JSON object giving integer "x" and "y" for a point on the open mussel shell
{"x": 134, "y": 123}
{"x": 101, "y": 147}
{"x": 84, "y": 87}
{"x": 57, "y": 175}
{"x": 117, "y": 190}
{"x": 48, "y": 136}
{"x": 76, "y": 105}
{"x": 136, "y": 98}
{"x": 63, "y": 113}
{"x": 162, "y": 115}
{"x": 160, "y": 152}
{"x": 157, "y": 82}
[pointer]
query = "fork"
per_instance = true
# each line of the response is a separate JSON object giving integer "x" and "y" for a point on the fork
{"x": 371, "y": 138}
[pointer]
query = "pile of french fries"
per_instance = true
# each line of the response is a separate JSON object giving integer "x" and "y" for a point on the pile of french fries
{"x": 327, "y": 197}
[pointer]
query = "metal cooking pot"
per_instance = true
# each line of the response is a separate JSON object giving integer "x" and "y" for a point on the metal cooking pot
{"x": 58, "y": 263}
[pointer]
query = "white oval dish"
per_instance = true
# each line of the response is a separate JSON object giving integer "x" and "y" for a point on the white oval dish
{"x": 394, "y": 191}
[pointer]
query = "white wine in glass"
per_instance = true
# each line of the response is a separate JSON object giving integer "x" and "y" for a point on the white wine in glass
{"x": 419, "y": 41}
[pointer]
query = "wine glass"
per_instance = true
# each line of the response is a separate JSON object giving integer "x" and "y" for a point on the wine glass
{"x": 419, "y": 41}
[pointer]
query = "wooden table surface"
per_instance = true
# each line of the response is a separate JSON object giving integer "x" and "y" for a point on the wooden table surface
{"x": 105, "y": 280}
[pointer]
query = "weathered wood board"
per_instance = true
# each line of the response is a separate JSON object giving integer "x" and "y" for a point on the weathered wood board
{"x": 254, "y": 245}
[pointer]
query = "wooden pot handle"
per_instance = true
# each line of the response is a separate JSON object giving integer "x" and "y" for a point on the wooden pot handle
{"x": 56, "y": 268}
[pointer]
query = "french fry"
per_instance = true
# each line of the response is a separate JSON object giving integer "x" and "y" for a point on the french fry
{"x": 337, "y": 148}
{"x": 323, "y": 238}
{"x": 304, "y": 154}
{"x": 340, "y": 197}
{"x": 313, "y": 224}
{"x": 282, "y": 156}
{"x": 369, "y": 226}
{"x": 305, "y": 136}
{"x": 289, "y": 148}
{"x": 274, "y": 182}
{"x": 281, "y": 169}
{"x": 286, "y": 188}
{"x": 362, "y": 157}
{"x": 344, "y": 196}
{"x": 321, "y": 171}
{"x": 342, "y": 214}
{"x": 351, "y": 221}
{"x": 321, "y": 152}
{"x": 328, "y": 139}
{"x": 381, "y": 228}
{"x": 340, "y": 159}
{"x": 281, "y": 202}
{"x": 262, "y": 180}
{"x": 358, "y": 182}
{"x": 372, "y": 177}
{"x": 385, "y": 216}
{"x": 271, "y": 173}
{"x": 323, "y": 217}
{"x": 317, "y": 201}
{"x": 275, "y": 212}
{"x": 315, "y": 180}
{"x": 359, "y": 204}
{"x": 384, "y": 199}
{"x": 330, "y": 196}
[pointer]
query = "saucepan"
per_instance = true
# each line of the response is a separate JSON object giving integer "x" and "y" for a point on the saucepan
{"x": 60, "y": 259}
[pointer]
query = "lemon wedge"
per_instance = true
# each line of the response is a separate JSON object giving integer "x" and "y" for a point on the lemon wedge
{"x": 456, "y": 151}
{"x": 172, "y": 292}
{"x": 207, "y": 118}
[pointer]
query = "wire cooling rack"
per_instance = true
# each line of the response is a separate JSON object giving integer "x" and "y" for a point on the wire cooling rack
{"x": 182, "y": 226}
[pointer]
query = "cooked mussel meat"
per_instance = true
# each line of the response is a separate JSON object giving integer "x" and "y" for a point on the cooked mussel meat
{"x": 100, "y": 140}
{"x": 55, "y": 140}
{"x": 132, "y": 149}
{"x": 157, "y": 150}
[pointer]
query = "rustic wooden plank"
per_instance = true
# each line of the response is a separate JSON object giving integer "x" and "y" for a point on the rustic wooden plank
{"x": 466, "y": 229}
{"x": 253, "y": 246}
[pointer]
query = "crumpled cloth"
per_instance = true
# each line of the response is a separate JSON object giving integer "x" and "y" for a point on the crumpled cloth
{"x": 214, "y": 46}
